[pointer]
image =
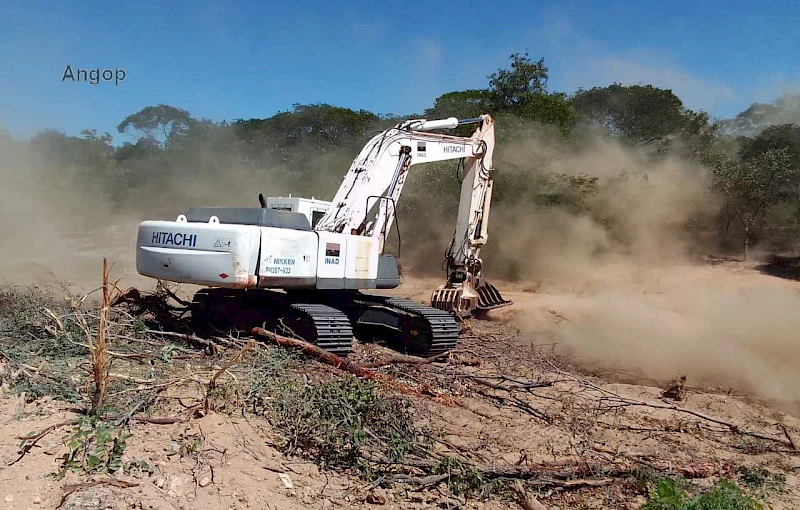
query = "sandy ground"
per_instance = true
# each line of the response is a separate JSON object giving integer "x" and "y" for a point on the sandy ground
{"x": 596, "y": 403}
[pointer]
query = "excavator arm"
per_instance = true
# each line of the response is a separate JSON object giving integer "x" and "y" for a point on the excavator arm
{"x": 366, "y": 200}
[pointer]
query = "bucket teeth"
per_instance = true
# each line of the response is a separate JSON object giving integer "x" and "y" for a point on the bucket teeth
{"x": 446, "y": 299}
{"x": 489, "y": 297}
{"x": 451, "y": 299}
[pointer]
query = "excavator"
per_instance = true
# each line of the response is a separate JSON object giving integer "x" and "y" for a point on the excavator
{"x": 305, "y": 267}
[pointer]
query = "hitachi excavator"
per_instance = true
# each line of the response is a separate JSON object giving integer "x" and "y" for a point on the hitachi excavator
{"x": 304, "y": 267}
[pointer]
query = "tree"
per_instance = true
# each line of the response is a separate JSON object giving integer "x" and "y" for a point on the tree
{"x": 784, "y": 136}
{"x": 162, "y": 123}
{"x": 751, "y": 187}
{"x": 318, "y": 123}
{"x": 96, "y": 148}
{"x": 522, "y": 92}
{"x": 461, "y": 104}
{"x": 517, "y": 87}
{"x": 642, "y": 114}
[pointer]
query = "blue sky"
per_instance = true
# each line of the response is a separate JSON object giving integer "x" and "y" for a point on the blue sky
{"x": 229, "y": 60}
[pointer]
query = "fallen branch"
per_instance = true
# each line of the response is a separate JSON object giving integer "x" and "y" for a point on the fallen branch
{"x": 155, "y": 420}
{"x": 69, "y": 489}
{"x": 576, "y": 484}
{"x": 788, "y": 437}
{"x": 619, "y": 401}
{"x": 403, "y": 359}
{"x": 106, "y": 481}
{"x": 34, "y": 438}
{"x": 340, "y": 363}
{"x": 564, "y": 473}
{"x": 421, "y": 481}
{"x": 212, "y": 347}
{"x": 520, "y": 385}
{"x": 519, "y": 404}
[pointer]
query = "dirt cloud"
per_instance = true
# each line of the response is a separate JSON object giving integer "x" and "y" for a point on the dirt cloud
{"x": 627, "y": 275}
{"x": 59, "y": 219}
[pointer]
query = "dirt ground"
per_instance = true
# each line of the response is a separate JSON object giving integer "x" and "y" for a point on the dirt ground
{"x": 524, "y": 393}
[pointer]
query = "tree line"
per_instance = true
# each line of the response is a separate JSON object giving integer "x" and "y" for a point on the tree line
{"x": 172, "y": 159}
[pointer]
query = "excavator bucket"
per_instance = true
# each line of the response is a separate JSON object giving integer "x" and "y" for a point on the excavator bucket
{"x": 489, "y": 297}
{"x": 465, "y": 300}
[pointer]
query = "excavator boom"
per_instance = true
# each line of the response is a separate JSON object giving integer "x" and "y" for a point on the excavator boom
{"x": 365, "y": 202}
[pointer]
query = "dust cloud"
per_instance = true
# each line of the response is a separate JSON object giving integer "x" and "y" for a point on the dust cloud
{"x": 58, "y": 220}
{"x": 48, "y": 224}
{"x": 622, "y": 267}
{"x": 621, "y": 285}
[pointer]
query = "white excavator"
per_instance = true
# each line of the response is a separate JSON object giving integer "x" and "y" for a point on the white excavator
{"x": 305, "y": 266}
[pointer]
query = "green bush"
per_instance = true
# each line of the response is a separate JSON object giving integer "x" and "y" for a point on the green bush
{"x": 334, "y": 421}
{"x": 670, "y": 494}
{"x": 93, "y": 447}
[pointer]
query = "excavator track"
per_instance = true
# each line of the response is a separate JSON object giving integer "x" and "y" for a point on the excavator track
{"x": 443, "y": 326}
{"x": 224, "y": 310}
{"x": 406, "y": 325}
{"x": 331, "y": 321}
{"x": 333, "y": 330}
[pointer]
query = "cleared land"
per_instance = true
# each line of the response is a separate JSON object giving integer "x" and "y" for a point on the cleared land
{"x": 523, "y": 413}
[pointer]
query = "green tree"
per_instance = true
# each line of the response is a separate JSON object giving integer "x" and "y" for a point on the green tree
{"x": 641, "y": 114}
{"x": 783, "y": 136}
{"x": 752, "y": 187}
{"x": 522, "y": 92}
{"x": 461, "y": 104}
{"x": 162, "y": 123}
{"x": 519, "y": 86}
{"x": 318, "y": 123}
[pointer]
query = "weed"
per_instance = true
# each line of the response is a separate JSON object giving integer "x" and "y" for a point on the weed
{"x": 36, "y": 322}
{"x": 36, "y": 389}
{"x": 137, "y": 466}
{"x": 760, "y": 479}
{"x": 187, "y": 445}
{"x": 462, "y": 479}
{"x": 93, "y": 447}
{"x": 643, "y": 478}
{"x": 36, "y": 327}
{"x": 667, "y": 495}
{"x": 670, "y": 494}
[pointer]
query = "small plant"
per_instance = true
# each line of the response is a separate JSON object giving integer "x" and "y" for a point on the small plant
{"x": 670, "y": 494}
{"x": 461, "y": 479}
{"x": 137, "y": 466}
{"x": 94, "y": 447}
{"x": 187, "y": 445}
{"x": 667, "y": 495}
{"x": 760, "y": 479}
